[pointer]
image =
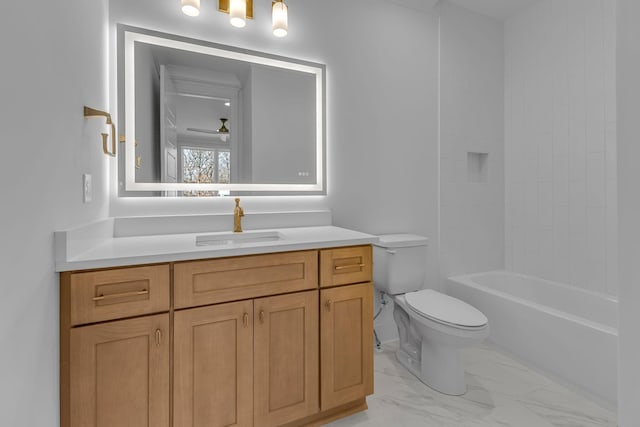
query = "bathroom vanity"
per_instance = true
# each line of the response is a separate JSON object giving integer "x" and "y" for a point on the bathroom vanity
{"x": 275, "y": 334}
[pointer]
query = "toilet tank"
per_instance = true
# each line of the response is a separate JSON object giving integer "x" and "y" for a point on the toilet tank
{"x": 399, "y": 263}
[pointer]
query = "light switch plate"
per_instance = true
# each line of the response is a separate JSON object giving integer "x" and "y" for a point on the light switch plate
{"x": 87, "y": 188}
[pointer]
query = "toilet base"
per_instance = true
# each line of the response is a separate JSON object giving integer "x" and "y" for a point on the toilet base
{"x": 433, "y": 352}
{"x": 444, "y": 371}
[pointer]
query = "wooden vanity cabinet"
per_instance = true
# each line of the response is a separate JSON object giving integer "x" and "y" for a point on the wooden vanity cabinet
{"x": 280, "y": 339}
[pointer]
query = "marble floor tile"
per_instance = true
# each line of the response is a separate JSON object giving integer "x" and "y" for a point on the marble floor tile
{"x": 501, "y": 393}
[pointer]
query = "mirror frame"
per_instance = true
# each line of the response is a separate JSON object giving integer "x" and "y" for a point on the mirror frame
{"x": 128, "y": 36}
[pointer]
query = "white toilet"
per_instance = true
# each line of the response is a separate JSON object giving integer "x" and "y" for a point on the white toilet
{"x": 433, "y": 327}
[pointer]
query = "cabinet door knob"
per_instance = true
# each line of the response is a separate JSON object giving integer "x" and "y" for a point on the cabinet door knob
{"x": 261, "y": 316}
{"x": 328, "y": 304}
{"x": 158, "y": 337}
{"x": 245, "y": 320}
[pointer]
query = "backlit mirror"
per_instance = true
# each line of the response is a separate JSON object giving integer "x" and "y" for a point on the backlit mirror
{"x": 202, "y": 119}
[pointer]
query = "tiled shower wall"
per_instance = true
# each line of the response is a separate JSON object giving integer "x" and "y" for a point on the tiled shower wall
{"x": 471, "y": 141}
{"x": 560, "y": 143}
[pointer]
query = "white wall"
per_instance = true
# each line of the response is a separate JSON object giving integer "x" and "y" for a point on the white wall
{"x": 628, "y": 70}
{"x": 382, "y": 147}
{"x": 382, "y": 110}
{"x": 561, "y": 207}
{"x": 471, "y": 120}
{"x": 53, "y": 64}
{"x": 381, "y": 71}
{"x": 383, "y": 120}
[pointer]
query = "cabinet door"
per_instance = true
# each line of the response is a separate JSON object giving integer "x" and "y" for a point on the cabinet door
{"x": 213, "y": 366}
{"x": 119, "y": 373}
{"x": 346, "y": 344}
{"x": 285, "y": 358}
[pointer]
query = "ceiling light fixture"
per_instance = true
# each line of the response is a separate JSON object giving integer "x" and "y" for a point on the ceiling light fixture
{"x": 238, "y": 13}
{"x": 191, "y": 7}
{"x": 279, "y": 18}
{"x": 241, "y": 10}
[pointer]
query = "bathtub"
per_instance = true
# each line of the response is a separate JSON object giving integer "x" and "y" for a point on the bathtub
{"x": 564, "y": 331}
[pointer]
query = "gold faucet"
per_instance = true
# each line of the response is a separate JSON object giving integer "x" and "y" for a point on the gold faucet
{"x": 238, "y": 213}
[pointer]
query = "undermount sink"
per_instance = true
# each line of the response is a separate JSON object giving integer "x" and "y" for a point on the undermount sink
{"x": 221, "y": 239}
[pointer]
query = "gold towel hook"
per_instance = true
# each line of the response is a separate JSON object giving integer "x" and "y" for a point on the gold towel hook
{"x": 92, "y": 112}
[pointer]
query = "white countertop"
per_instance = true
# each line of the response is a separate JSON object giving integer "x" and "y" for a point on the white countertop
{"x": 132, "y": 250}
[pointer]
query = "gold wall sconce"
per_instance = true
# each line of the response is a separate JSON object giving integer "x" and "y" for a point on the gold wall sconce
{"x": 123, "y": 139}
{"x": 241, "y": 10}
{"x": 92, "y": 112}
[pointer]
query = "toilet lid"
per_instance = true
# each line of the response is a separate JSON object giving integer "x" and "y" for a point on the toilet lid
{"x": 446, "y": 309}
{"x": 400, "y": 241}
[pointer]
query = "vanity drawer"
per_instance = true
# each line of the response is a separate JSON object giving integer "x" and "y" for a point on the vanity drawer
{"x": 342, "y": 266}
{"x": 219, "y": 280}
{"x": 97, "y": 296}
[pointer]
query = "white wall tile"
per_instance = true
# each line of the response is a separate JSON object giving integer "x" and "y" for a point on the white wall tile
{"x": 473, "y": 120}
{"x": 611, "y": 151}
{"x": 596, "y": 266}
{"x": 545, "y": 206}
{"x": 545, "y": 156}
{"x": 561, "y": 248}
{"x": 578, "y": 207}
{"x": 609, "y": 13}
{"x": 595, "y": 74}
{"x": 577, "y": 153}
{"x": 596, "y": 179}
{"x": 612, "y": 237}
{"x": 546, "y": 266}
{"x": 578, "y": 258}
{"x": 560, "y": 143}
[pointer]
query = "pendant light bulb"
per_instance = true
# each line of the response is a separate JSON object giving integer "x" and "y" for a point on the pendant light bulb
{"x": 238, "y": 13}
{"x": 191, "y": 7}
{"x": 280, "y": 18}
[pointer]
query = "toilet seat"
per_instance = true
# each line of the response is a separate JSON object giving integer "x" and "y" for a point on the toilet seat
{"x": 445, "y": 309}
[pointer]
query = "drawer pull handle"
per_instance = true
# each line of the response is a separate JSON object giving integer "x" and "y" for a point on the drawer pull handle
{"x": 245, "y": 320}
{"x": 328, "y": 304}
{"x": 158, "y": 337}
{"x": 122, "y": 295}
{"x": 344, "y": 267}
{"x": 261, "y": 316}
